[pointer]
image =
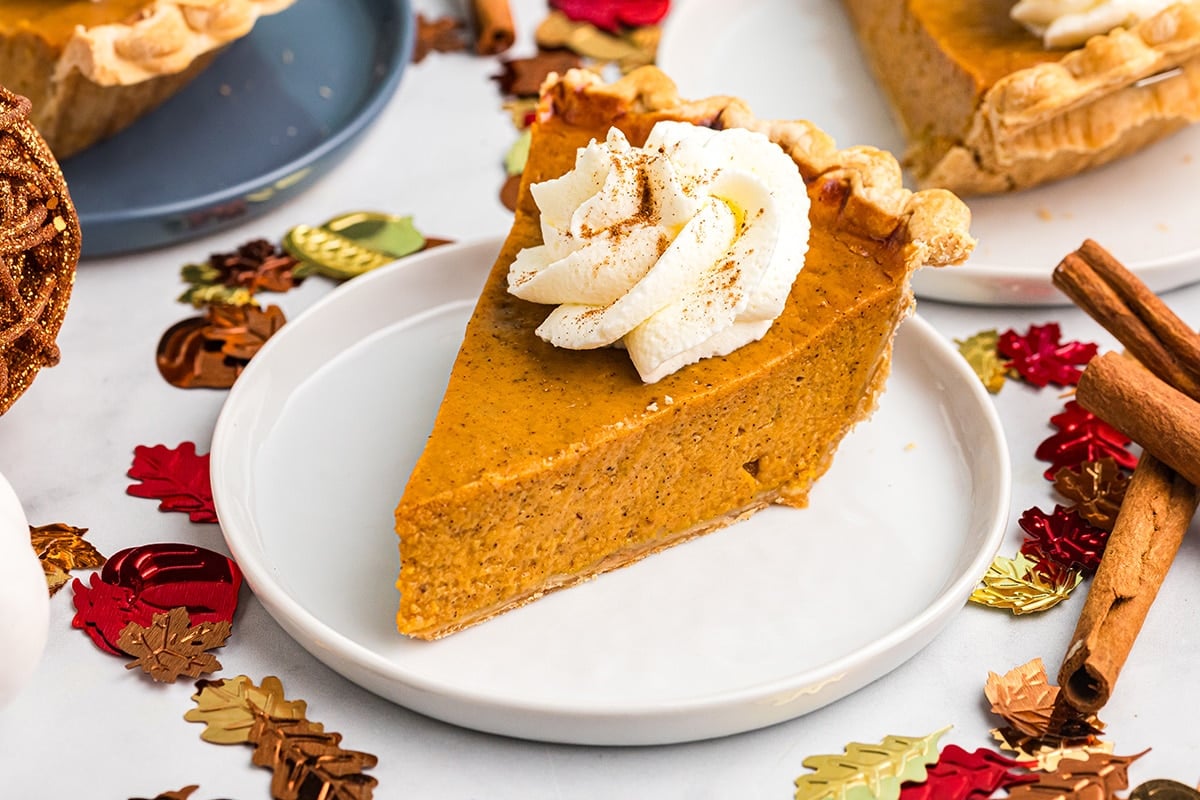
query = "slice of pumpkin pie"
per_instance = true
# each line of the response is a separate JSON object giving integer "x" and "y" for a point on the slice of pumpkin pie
{"x": 692, "y": 309}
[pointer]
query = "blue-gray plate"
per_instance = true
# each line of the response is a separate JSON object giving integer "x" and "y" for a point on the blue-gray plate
{"x": 262, "y": 123}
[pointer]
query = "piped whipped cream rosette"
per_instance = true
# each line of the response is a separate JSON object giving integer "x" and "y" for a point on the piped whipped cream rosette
{"x": 1069, "y": 23}
{"x": 682, "y": 249}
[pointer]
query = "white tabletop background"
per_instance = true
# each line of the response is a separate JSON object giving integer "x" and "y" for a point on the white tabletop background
{"x": 85, "y": 727}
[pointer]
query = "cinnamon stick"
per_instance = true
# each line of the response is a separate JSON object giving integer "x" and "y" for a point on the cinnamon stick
{"x": 1159, "y": 503}
{"x": 1091, "y": 290}
{"x": 494, "y": 28}
{"x": 1163, "y": 420}
{"x": 1154, "y": 517}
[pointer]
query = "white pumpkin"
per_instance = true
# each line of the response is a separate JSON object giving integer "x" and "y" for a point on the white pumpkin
{"x": 24, "y": 601}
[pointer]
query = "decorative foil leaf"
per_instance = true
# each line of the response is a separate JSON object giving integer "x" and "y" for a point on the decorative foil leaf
{"x": 981, "y": 353}
{"x": 178, "y": 478}
{"x": 182, "y": 794}
{"x": 61, "y": 548}
{"x": 518, "y": 154}
{"x": 228, "y": 707}
{"x": 172, "y": 647}
{"x": 1083, "y": 437}
{"x": 1023, "y": 697}
{"x": 199, "y": 295}
{"x": 1042, "y": 756}
{"x": 440, "y": 35}
{"x": 1098, "y": 489}
{"x": 1016, "y": 584}
{"x": 612, "y": 15}
{"x": 1062, "y": 537}
{"x": 869, "y": 771}
{"x": 1098, "y": 777}
{"x": 1039, "y": 358}
{"x": 354, "y": 243}
{"x": 523, "y": 77}
{"x": 629, "y": 49}
{"x": 960, "y": 775}
{"x": 308, "y": 762}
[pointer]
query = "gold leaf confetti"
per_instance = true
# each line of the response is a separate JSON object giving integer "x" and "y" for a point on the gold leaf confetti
{"x": 981, "y": 353}
{"x": 1024, "y": 697}
{"x": 1045, "y": 757}
{"x": 1014, "y": 584}
{"x": 874, "y": 770}
{"x": 172, "y": 646}
{"x": 227, "y": 707}
{"x": 1098, "y": 489}
{"x": 61, "y": 548}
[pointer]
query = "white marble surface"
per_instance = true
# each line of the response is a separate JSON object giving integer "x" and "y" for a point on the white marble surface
{"x": 85, "y": 727}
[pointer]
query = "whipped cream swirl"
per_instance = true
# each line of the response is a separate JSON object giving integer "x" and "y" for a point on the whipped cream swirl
{"x": 679, "y": 250}
{"x": 1069, "y": 23}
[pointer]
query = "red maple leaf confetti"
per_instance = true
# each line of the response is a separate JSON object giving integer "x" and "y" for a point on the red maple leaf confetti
{"x": 611, "y": 15}
{"x": 178, "y": 478}
{"x": 1082, "y": 437}
{"x": 1040, "y": 358}
{"x": 960, "y": 775}
{"x": 139, "y": 582}
{"x": 1064, "y": 538}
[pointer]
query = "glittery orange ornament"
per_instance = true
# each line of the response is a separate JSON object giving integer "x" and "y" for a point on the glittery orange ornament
{"x": 39, "y": 250}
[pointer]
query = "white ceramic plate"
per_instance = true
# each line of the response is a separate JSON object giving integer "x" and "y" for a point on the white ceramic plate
{"x": 758, "y": 623}
{"x": 799, "y": 59}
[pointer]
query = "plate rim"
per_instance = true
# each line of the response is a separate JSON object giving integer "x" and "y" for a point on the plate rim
{"x": 323, "y": 641}
{"x": 347, "y": 131}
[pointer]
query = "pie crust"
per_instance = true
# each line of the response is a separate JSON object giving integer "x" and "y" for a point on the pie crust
{"x": 985, "y": 110}
{"x": 546, "y": 466}
{"x": 88, "y": 82}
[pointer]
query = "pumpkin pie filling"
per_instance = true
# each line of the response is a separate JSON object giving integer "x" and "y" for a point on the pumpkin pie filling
{"x": 548, "y": 466}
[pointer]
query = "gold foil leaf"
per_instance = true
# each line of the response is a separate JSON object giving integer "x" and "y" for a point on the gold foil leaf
{"x": 61, "y": 548}
{"x": 1099, "y": 775}
{"x": 1098, "y": 489}
{"x": 227, "y": 707}
{"x": 518, "y": 154}
{"x": 629, "y": 51}
{"x": 172, "y": 646}
{"x": 1014, "y": 584}
{"x": 869, "y": 771}
{"x": 308, "y": 762}
{"x": 980, "y": 352}
{"x": 1044, "y": 757}
{"x": 1024, "y": 697}
{"x": 200, "y": 295}
{"x": 354, "y": 243}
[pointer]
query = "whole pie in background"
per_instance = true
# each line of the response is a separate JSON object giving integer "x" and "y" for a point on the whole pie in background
{"x": 92, "y": 67}
{"x": 987, "y": 106}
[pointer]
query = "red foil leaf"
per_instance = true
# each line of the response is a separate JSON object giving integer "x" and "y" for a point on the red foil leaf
{"x": 1083, "y": 437}
{"x": 611, "y": 15}
{"x": 102, "y": 610}
{"x": 139, "y": 582}
{"x": 1040, "y": 358}
{"x": 178, "y": 478}
{"x": 960, "y": 775}
{"x": 1063, "y": 537}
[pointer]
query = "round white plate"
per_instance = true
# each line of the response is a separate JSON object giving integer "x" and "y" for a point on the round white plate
{"x": 800, "y": 59}
{"x": 748, "y": 626}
